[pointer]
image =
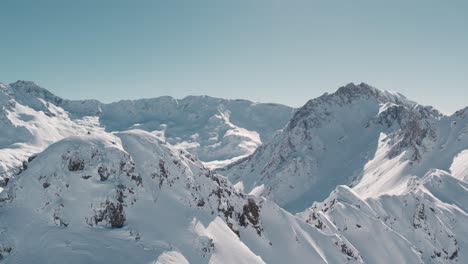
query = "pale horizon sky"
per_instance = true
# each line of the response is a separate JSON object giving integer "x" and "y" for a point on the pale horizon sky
{"x": 262, "y": 50}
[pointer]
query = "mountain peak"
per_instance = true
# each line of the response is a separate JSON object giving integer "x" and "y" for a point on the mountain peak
{"x": 25, "y": 85}
{"x": 321, "y": 107}
{"x": 25, "y": 91}
{"x": 23, "y": 82}
{"x": 352, "y": 90}
{"x": 30, "y": 87}
{"x": 362, "y": 87}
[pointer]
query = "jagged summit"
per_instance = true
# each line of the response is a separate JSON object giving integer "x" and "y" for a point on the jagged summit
{"x": 363, "y": 89}
{"x": 317, "y": 110}
{"x": 28, "y": 85}
{"x": 33, "y": 89}
{"x": 352, "y": 92}
{"x": 344, "y": 138}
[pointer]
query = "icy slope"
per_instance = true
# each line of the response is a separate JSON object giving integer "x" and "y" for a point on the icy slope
{"x": 130, "y": 197}
{"x": 358, "y": 136}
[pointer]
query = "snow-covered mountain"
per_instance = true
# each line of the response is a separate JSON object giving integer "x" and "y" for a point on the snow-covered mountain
{"x": 218, "y": 131}
{"x": 358, "y": 136}
{"x": 30, "y": 120}
{"x": 396, "y": 171}
{"x": 426, "y": 222}
{"x": 372, "y": 176}
{"x": 130, "y": 197}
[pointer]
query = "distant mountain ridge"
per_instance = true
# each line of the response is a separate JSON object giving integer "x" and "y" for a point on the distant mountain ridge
{"x": 356, "y": 176}
{"x": 216, "y": 130}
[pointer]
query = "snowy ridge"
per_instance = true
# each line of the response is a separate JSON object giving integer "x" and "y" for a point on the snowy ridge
{"x": 30, "y": 127}
{"x": 372, "y": 176}
{"x": 427, "y": 223}
{"x": 401, "y": 203}
{"x": 218, "y": 131}
{"x": 85, "y": 198}
{"x": 359, "y": 136}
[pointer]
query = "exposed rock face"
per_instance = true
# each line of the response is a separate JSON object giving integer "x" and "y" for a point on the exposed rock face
{"x": 359, "y": 136}
{"x": 112, "y": 214}
{"x": 75, "y": 164}
{"x": 134, "y": 186}
{"x": 132, "y": 197}
{"x": 4, "y": 251}
{"x": 418, "y": 127}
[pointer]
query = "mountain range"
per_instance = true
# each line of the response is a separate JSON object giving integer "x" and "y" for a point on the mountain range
{"x": 360, "y": 175}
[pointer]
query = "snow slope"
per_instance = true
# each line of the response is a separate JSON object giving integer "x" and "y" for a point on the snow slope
{"x": 428, "y": 222}
{"x": 86, "y": 198}
{"x": 359, "y": 136}
{"x": 399, "y": 204}
{"x": 128, "y": 182}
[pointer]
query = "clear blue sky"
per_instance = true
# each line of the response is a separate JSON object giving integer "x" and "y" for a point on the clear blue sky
{"x": 265, "y": 50}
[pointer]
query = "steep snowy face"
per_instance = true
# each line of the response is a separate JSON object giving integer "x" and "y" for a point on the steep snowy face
{"x": 358, "y": 135}
{"x": 86, "y": 198}
{"x": 458, "y": 137}
{"x": 218, "y": 131}
{"x": 427, "y": 223}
